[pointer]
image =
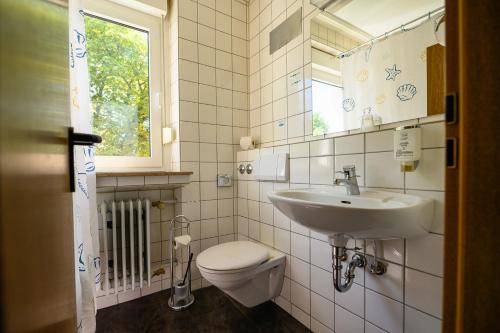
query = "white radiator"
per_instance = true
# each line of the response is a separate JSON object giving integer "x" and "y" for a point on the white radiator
{"x": 126, "y": 245}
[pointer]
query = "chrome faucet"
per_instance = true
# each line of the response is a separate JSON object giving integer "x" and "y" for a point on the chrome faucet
{"x": 349, "y": 181}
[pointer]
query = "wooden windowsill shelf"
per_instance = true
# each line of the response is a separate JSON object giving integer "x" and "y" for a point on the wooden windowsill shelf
{"x": 144, "y": 173}
{"x": 141, "y": 181}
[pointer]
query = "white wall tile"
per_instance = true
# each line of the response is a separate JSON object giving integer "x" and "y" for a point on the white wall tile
{"x": 384, "y": 312}
{"x": 321, "y": 282}
{"x": 380, "y": 141}
{"x": 223, "y": 6}
{"x": 353, "y": 299}
{"x": 370, "y": 328}
{"x": 206, "y": 36}
{"x": 300, "y": 246}
{"x": 347, "y": 322}
{"x": 433, "y": 135}
{"x": 254, "y": 229}
{"x": 318, "y": 327}
{"x": 321, "y": 170}
{"x": 323, "y": 310}
{"x": 423, "y": 291}
{"x": 295, "y": 103}
{"x": 295, "y": 58}
{"x": 301, "y": 297}
{"x": 296, "y": 126}
{"x": 321, "y": 147}
{"x": 266, "y": 234}
{"x": 188, "y": 29}
{"x": 390, "y": 250}
{"x": 299, "y": 170}
{"x": 209, "y": 228}
{"x": 321, "y": 254}
{"x": 382, "y": 170}
{"x": 417, "y": 322}
{"x": 299, "y": 150}
{"x": 352, "y": 144}
{"x": 430, "y": 173}
{"x": 426, "y": 253}
{"x": 207, "y": 54}
{"x": 266, "y": 213}
{"x": 390, "y": 284}
{"x": 206, "y": 16}
{"x": 282, "y": 240}
{"x": 301, "y": 316}
{"x": 188, "y": 9}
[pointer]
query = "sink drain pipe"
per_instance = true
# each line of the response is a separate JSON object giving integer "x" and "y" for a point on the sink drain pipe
{"x": 338, "y": 255}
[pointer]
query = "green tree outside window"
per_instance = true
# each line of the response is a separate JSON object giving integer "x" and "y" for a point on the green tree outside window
{"x": 118, "y": 61}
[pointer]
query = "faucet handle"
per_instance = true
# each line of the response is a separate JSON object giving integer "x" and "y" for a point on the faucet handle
{"x": 349, "y": 173}
{"x": 349, "y": 170}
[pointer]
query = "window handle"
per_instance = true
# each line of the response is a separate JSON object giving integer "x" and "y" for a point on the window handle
{"x": 77, "y": 139}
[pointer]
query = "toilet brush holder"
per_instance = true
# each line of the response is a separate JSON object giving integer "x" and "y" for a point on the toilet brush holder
{"x": 180, "y": 291}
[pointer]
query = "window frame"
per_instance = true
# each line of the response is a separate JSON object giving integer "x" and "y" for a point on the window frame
{"x": 115, "y": 13}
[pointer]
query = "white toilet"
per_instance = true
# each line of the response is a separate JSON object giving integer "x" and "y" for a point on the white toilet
{"x": 251, "y": 273}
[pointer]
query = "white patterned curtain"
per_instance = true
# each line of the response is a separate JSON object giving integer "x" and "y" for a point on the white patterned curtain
{"x": 87, "y": 261}
{"x": 388, "y": 79}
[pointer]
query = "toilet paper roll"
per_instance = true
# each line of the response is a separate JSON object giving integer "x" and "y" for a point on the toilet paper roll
{"x": 246, "y": 142}
{"x": 182, "y": 240}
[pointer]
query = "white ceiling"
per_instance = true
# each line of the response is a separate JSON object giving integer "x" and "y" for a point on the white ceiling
{"x": 379, "y": 16}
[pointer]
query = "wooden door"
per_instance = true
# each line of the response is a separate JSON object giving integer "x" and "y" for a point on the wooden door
{"x": 472, "y": 230}
{"x": 37, "y": 287}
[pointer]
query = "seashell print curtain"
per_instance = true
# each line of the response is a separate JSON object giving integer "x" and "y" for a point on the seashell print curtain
{"x": 388, "y": 79}
{"x": 87, "y": 261}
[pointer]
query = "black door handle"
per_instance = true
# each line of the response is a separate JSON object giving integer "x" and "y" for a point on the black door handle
{"x": 78, "y": 139}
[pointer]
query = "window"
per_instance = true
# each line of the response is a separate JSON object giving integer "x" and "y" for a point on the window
{"x": 124, "y": 49}
{"x": 327, "y": 97}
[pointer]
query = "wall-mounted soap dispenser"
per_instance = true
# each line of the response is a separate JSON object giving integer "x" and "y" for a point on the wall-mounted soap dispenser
{"x": 407, "y": 146}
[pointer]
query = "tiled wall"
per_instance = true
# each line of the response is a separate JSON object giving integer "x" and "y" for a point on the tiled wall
{"x": 210, "y": 79}
{"x": 408, "y": 297}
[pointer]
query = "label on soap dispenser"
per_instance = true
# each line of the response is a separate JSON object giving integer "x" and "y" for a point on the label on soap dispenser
{"x": 407, "y": 144}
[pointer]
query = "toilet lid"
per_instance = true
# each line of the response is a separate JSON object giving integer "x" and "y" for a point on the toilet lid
{"x": 232, "y": 256}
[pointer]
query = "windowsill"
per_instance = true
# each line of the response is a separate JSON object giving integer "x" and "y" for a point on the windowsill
{"x": 142, "y": 180}
{"x": 144, "y": 173}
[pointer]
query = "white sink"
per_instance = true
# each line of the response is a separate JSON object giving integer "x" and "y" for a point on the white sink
{"x": 371, "y": 215}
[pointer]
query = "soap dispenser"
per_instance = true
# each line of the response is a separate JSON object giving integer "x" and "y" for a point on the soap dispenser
{"x": 407, "y": 146}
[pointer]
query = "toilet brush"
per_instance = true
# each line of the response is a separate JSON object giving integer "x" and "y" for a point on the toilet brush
{"x": 187, "y": 269}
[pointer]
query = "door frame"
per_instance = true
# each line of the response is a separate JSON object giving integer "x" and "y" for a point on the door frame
{"x": 471, "y": 301}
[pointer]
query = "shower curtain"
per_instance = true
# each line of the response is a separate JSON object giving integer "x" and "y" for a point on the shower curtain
{"x": 87, "y": 261}
{"x": 388, "y": 79}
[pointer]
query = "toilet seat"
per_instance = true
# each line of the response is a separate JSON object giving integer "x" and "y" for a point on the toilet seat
{"x": 233, "y": 257}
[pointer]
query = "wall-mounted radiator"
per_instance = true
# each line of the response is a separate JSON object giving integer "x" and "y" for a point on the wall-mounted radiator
{"x": 125, "y": 245}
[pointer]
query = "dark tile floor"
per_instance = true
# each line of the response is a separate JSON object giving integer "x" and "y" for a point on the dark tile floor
{"x": 213, "y": 311}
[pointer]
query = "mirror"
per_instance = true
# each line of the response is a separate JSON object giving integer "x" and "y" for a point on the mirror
{"x": 376, "y": 62}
